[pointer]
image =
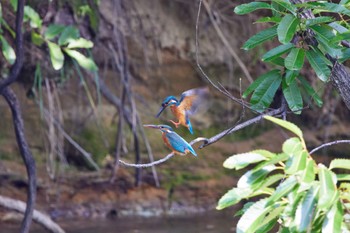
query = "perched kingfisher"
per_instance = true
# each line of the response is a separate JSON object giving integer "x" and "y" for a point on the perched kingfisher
{"x": 172, "y": 140}
{"x": 186, "y": 106}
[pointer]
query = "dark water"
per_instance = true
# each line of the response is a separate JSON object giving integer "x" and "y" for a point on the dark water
{"x": 208, "y": 223}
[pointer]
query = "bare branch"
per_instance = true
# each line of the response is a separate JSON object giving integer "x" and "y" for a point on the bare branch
{"x": 329, "y": 144}
{"x": 226, "y": 43}
{"x": 38, "y": 217}
{"x": 26, "y": 154}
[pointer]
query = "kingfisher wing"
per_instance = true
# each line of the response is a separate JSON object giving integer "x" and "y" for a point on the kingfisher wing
{"x": 179, "y": 144}
{"x": 190, "y": 100}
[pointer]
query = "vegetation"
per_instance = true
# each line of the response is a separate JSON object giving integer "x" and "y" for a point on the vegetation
{"x": 289, "y": 188}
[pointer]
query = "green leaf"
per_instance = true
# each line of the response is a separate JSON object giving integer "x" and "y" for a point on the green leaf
{"x": 272, "y": 19}
{"x": 253, "y": 178}
{"x": 260, "y": 37}
{"x": 341, "y": 36}
{"x": 328, "y": 191}
{"x": 330, "y": 7}
{"x": 296, "y": 163}
{"x": 56, "y": 55}
{"x": 252, "y": 218}
{"x": 287, "y": 125}
{"x": 324, "y": 32}
{"x": 14, "y": 4}
{"x": 343, "y": 177}
{"x": 31, "y": 15}
{"x": 232, "y": 197}
{"x": 240, "y": 161}
{"x": 53, "y": 30}
{"x": 292, "y": 146}
{"x": 278, "y": 61}
{"x": 83, "y": 61}
{"x": 265, "y": 91}
{"x": 69, "y": 33}
{"x": 277, "y": 52}
{"x": 283, "y": 189}
{"x": 338, "y": 27}
{"x": 306, "y": 209}
{"x": 308, "y": 174}
{"x": 295, "y": 59}
{"x": 270, "y": 180}
{"x": 287, "y": 28}
{"x": 270, "y": 220}
{"x": 293, "y": 96}
{"x": 259, "y": 80}
{"x": 80, "y": 43}
{"x": 286, "y": 5}
{"x": 319, "y": 20}
{"x": 250, "y": 7}
{"x": 334, "y": 218}
{"x": 318, "y": 64}
{"x": 311, "y": 92}
{"x": 340, "y": 163}
{"x": 37, "y": 39}
{"x": 7, "y": 51}
{"x": 290, "y": 76}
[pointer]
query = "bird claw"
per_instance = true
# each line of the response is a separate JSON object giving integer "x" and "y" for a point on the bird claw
{"x": 176, "y": 124}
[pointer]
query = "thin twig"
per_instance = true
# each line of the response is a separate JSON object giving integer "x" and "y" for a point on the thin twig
{"x": 226, "y": 43}
{"x": 329, "y": 144}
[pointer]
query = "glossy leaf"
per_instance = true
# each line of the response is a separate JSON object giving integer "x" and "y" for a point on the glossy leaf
{"x": 340, "y": 37}
{"x": 293, "y": 97}
{"x": 295, "y": 59}
{"x": 259, "y": 80}
{"x": 338, "y": 27}
{"x": 328, "y": 191}
{"x": 334, "y": 219}
{"x": 253, "y": 178}
{"x": 250, "y": 7}
{"x": 331, "y": 7}
{"x": 264, "y": 93}
{"x": 309, "y": 173}
{"x": 232, "y": 197}
{"x": 290, "y": 76}
{"x": 272, "y": 19}
{"x": 240, "y": 161}
{"x": 53, "y": 30}
{"x": 306, "y": 209}
{"x": 287, "y": 125}
{"x": 260, "y": 37}
{"x": 318, "y": 64}
{"x": 296, "y": 163}
{"x": 340, "y": 163}
{"x": 292, "y": 146}
{"x": 287, "y": 28}
{"x": 277, "y": 52}
{"x": 270, "y": 220}
{"x": 56, "y": 55}
{"x": 37, "y": 39}
{"x": 324, "y": 32}
{"x": 7, "y": 51}
{"x": 252, "y": 218}
{"x": 271, "y": 179}
{"x": 69, "y": 33}
{"x": 283, "y": 189}
{"x": 310, "y": 91}
{"x": 286, "y": 5}
{"x": 80, "y": 43}
{"x": 278, "y": 61}
{"x": 83, "y": 61}
{"x": 343, "y": 177}
{"x": 319, "y": 20}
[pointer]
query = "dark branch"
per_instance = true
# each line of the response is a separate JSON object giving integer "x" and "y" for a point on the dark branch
{"x": 26, "y": 154}
{"x": 329, "y": 144}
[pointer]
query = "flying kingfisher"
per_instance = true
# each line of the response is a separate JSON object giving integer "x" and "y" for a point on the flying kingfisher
{"x": 172, "y": 140}
{"x": 186, "y": 106}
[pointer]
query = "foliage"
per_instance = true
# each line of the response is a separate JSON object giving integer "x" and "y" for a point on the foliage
{"x": 291, "y": 189}
{"x": 61, "y": 40}
{"x": 287, "y": 26}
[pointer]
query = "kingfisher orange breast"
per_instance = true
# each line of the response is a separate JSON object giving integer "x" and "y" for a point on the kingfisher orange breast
{"x": 180, "y": 115}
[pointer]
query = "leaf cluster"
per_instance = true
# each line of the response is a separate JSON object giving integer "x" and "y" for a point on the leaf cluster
{"x": 61, "y": 40}
{"x": 290, "y": 189}
{"x": 286, "y": 25}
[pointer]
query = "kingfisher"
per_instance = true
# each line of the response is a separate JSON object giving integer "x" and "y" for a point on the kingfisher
{"x": 187, "y": 105}
{"x": 172, "y": 140}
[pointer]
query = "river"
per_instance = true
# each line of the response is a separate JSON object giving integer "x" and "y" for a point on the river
{"x": 217, "y": 222}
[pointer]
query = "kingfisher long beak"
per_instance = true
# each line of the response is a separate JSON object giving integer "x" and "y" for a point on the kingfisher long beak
{"x": 151, "y": 126}
{"x": 160, "y": 111}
